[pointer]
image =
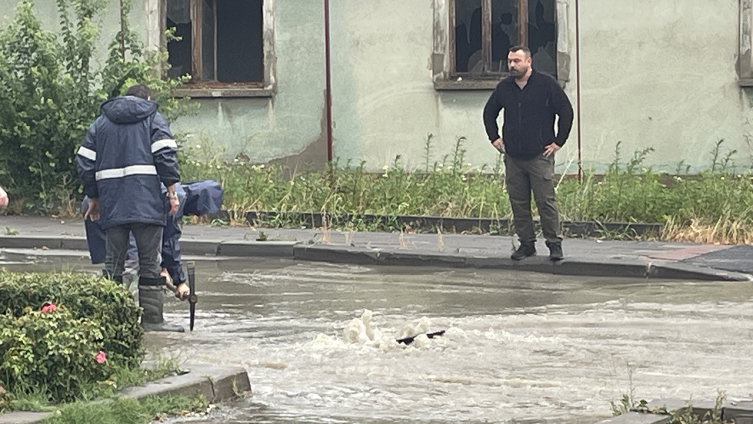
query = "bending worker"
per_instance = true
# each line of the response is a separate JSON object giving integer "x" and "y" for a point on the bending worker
{"x": 199, "y": 198}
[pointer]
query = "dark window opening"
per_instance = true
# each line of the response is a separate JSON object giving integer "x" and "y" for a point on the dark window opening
{"x": 222, "y": 41}
{"x": 484, "y": 31}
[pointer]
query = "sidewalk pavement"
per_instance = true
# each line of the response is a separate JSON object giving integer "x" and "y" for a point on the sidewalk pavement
{"x": 588, "y": 257}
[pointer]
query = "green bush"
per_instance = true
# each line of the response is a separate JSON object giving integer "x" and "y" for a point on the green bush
{"x": 51, "y": 350}
{"x": 51, "y": 87}
{"x": 57, "y": 350}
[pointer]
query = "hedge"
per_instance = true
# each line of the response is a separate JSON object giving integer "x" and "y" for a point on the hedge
{"x": 57, "y": 329}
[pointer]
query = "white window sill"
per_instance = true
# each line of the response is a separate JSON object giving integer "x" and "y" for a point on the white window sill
{"x": 463, "y": 84}
{"x": 218, "y": 93}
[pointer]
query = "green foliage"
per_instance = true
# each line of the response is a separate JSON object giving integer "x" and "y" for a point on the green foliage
{"x": 51, "y": 350}
{"x": 448, "y": 189}
{"x": 628, "y": 192}
{"x": 128, "y": 411}
{"x": 50, "y": 91}
{"x": 56, "y": 351}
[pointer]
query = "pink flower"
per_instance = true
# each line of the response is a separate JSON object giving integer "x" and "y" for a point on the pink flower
{"x": 101, "y": 357}
{"x": 49, "y": 307}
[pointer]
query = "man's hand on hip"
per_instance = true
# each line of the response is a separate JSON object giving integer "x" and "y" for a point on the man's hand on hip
{"x": 550, "y": 149}
{"x": 499, "y": 145}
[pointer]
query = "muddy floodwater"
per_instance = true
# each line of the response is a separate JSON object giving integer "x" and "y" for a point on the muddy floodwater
{"x": 318, "y": 342}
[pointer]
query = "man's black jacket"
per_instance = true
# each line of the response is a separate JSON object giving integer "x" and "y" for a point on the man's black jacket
{"x": 529, "y": 115}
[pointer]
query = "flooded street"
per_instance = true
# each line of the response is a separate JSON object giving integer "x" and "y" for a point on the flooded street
{"x": 518, "y": 347}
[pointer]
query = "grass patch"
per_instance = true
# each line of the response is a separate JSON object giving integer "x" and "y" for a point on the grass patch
{"x": 38, "y": 399}
{"x": 712, "y": 206}
{"x": 128, "y": 411}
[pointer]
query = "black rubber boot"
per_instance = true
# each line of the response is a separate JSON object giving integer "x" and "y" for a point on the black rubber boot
{"x": 525, "y": 250}
{"x": 555, "y": 251}
{"x": 151, "y": 299}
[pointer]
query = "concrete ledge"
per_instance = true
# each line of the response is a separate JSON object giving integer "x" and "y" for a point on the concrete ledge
{"x": 257, "y": 248}
{"x": 401, "y": 258}
{"x": 679, "y": 271}
{"x": 216, "y": 383}
{"x": 637, "y": 418}
{"x": 74, "y": 243}
{"x": 319, "y": 253}
{"x": 200, "y": 247}
{"x": 31, "y": 242}
{"x": 24, "y": 417}
{"x": 622, "y": 268}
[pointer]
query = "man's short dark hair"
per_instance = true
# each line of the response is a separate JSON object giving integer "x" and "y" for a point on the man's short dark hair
{"x": 526, "y": 50}
{"x": 139, "y": 90}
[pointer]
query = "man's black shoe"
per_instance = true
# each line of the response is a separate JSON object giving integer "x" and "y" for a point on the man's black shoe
{"x": 525, "y": 250}
{"x": 555, "y": 251}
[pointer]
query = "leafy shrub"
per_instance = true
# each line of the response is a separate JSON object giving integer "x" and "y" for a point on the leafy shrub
{"x": 57, "y": 350}
{"x": 51, "y": 350}
{"x": 51, "y": 89}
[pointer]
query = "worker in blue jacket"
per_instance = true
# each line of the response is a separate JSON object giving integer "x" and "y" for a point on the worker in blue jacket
{"x": 128, "y": 153}
{"x": 198, "y": 198}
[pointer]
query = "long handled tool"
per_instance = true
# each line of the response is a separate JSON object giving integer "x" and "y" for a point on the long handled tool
{"x": 409, "y": 340}
{"x": 192, "y": 298}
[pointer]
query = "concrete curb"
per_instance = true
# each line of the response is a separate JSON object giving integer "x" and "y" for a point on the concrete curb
{"x": 24, "y": 417}
{"x": 637, "y": 418}
{"x": 737, "y": 412}
{"x": 216, "y": 383}
{"x": 636, "y": 267}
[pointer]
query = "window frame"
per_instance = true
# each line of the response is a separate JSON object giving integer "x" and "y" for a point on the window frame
{"x": 443, "y": 59}
{"x": 745, "y": 57}
{"x": 156, "y": 40}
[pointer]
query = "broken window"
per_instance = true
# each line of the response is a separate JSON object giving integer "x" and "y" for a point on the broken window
{"x": 219, "y": 40}
{"x": 484, "y": 31}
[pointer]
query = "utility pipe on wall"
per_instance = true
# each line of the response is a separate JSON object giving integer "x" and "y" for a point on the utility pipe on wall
{"x": 577, "y": 88}
{"x": 328, "y": 83}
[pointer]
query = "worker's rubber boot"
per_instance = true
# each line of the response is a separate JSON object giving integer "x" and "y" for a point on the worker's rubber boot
{"x": 151, "y": 299}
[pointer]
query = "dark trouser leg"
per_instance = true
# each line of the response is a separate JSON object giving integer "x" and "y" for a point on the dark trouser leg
{"x": 151, "y": 298}
{"x": 149, "y": 244}
{"x": 519, "y": 190}
{"x": 541, "y": 174}
{"x": 117, "y": 247}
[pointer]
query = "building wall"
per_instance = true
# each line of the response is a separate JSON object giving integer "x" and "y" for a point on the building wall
{"x": 658, "y": 74}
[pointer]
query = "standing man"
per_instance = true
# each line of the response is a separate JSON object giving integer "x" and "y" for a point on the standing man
{"x": 530, "y": 100}
{"x": 128, "y": 152}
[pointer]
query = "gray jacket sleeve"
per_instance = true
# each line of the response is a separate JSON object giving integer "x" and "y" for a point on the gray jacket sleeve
{"x": 164, "y": 151}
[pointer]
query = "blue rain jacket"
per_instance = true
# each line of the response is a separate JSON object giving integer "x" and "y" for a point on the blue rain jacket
{"x": 127, "y": 153}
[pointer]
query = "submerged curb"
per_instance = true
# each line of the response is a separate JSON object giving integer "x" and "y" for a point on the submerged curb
{"x": 584, "y": 266}
{"x": 737, "y": 412}
{"x": 216, "y": 383}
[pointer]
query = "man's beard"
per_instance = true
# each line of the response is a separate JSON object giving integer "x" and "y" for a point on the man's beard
{"x": 518, "y": 72}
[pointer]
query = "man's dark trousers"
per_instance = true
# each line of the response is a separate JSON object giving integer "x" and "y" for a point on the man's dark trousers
{"x": 149, "y": 244}
{"x": 521, "y": 178}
